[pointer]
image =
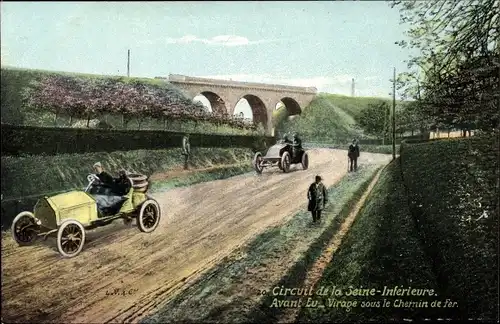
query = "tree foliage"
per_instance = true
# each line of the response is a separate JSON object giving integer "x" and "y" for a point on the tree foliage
{"x": 375, "y": 119}
{"x": 92, "y": 97}
{"x": 455, "y": 75}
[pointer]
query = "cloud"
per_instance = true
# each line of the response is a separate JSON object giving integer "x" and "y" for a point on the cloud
{"x": 369, "y": 86}
{"x": 220, "y": 40}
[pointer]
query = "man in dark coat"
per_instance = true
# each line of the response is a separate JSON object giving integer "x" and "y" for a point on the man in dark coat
{"x": 105, "y": 177}
{"x": 318, "y": 198}
{"x": 296, "y": 144}
{"x": 119, "y": 186}
{"x": 353, "y": 154}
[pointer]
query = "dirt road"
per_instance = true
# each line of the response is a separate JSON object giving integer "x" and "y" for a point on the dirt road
{"x": 123, "y": 275}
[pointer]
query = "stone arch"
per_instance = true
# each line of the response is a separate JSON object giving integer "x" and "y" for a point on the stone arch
{"x": 292, "y": 106}
{"x": 216, "y": 102}
{"x": 258, "y": 107}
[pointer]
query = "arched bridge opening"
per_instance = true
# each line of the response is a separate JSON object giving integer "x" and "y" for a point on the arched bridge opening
{"x": 212, "y": 102}
{"x": 291, "y": 105}
{"x": 252, "y": 108}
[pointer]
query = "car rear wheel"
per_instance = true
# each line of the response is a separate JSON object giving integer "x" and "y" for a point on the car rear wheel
{"x": 285, "y": 162}
{"x": 70, "y": 238}
{"x": 305, "y": 161}
{"x": 149, "y": 216}
{"x": 257, "y": 162}
{"x": 25, "y": 229}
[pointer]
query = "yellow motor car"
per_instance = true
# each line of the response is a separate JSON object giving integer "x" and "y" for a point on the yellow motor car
{"x": 70, "y": 214}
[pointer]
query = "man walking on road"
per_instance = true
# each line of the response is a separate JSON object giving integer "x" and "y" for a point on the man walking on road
{"x": 317, "y": 198}
{"x": 186, "y": 150}
{"x": 353, "y": 155}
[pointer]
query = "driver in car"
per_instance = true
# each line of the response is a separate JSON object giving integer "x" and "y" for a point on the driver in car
{"x": 296, "y": 144}
{"x": 105, "y": 177}
{"x": 119, "y": 186}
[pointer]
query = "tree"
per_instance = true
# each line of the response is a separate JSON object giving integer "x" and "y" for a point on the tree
{"x": 457, "y": 69}
{"x": 374, "y": 119}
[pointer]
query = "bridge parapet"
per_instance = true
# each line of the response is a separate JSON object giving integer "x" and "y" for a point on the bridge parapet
{"x": 238, "y": 84}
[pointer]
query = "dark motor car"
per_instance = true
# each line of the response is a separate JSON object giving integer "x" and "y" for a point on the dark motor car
{"x": 280, "y": 155}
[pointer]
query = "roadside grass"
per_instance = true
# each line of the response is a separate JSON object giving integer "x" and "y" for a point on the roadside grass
{"x": 381, "y": 249}
{"x": 38, "y": 174}
{"x": 453, "y": 193}
{"x": 213, "y": 294}
{"x": 25, "y": 179}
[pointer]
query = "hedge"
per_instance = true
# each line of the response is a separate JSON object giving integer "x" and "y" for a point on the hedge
{"x": 453, "y": 194}
{"x": 17, "y": 140}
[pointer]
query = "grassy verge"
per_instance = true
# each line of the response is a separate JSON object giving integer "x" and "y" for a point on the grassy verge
{"x": 381, "y": 249}
{"x": 25, "y": 179}
{"x": 453, "y": 193}
{"x": 217, "y": 295}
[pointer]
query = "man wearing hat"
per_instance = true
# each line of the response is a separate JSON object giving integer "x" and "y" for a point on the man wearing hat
{"x": 105, "y": 177}
{"x": 296, "y": 144}
{"x": 353, "y": 155}
{"x": 318, "y": 198}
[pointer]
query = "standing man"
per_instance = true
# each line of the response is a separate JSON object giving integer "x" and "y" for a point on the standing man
{"x": 186, "y": 150}
{"x": 317, "y": 198}
{"x": 353, "y": 154}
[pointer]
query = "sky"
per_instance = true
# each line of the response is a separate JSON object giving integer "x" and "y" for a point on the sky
{"x": 311, "y": 43}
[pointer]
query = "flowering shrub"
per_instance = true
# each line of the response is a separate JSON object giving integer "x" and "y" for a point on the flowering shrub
{"x": 87, "y": 98}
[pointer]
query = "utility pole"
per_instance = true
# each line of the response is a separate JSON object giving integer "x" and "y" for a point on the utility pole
{"x": 128, "y": 63}
{"x": 394, "y": 115}
{"x": 352, "y": 88}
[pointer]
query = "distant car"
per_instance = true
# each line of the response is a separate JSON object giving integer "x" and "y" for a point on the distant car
{"x": 280, "y": 155}
{"x": 70, "y": 214}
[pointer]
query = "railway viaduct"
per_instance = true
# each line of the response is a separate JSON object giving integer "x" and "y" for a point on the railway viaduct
{"x": 223, "y": 96}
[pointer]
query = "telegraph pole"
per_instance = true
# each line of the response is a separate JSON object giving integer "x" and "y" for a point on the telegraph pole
{"x": 394, "y": 115}
{"x": 128, "y": 63}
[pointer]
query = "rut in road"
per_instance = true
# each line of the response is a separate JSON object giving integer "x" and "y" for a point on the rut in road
{"x": 201, "y": 225}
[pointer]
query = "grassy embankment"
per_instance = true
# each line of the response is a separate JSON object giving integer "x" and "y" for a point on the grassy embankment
{"x": 424, "y": 232}
{"x": 330, "y": 120}
{"x": 26, "y": 178}
{"x": 14, "y": 82}
{"x": 230, "y": 292}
